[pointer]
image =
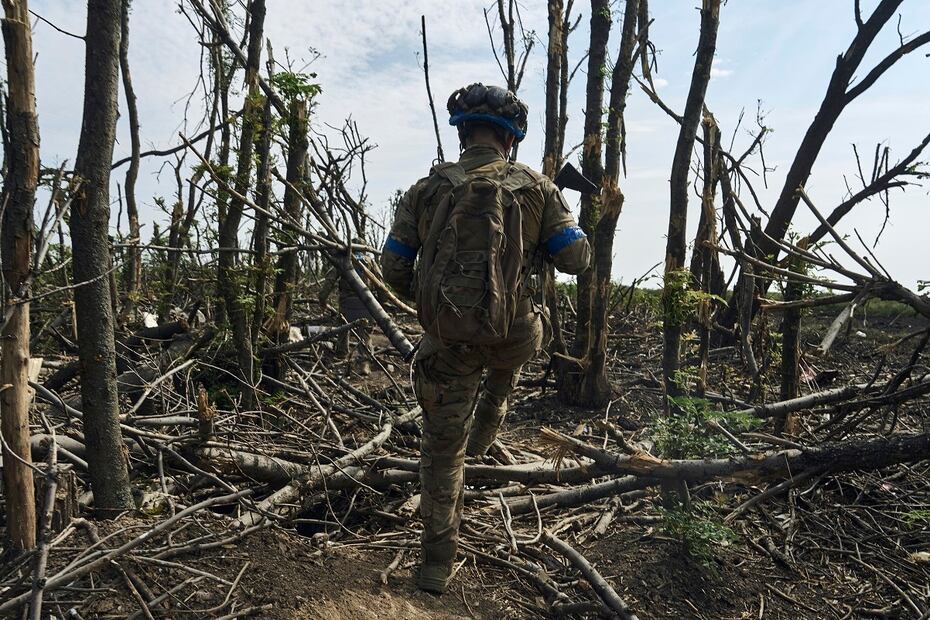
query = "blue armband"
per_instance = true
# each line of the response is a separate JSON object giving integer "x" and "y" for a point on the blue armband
{"x": 563, "y": 239}
{"x": 401, "y": 249}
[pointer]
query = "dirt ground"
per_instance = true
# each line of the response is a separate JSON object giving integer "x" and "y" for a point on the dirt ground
{"x": 840, "y": 549}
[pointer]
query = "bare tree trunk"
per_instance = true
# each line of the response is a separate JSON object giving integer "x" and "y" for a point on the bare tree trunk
{"x": 552, "y": 155}
{"x": 563, "y": 81}
{"x": 839, "y": 94}
{"x": 596, "y": 390}
{"x": 133, "y": 282}
{"x": 831, "y": 107}
{"x": 19, "y": 190}
{"x": 571, "y": 374}
{"x": 286, "y": 272}
{"x": 231, "y": 286}
{"x": 260, "y": 231}
{"x": 222, "y": 81}
{"x": 678, "y": 200}
{"x": 591, "y": 165}
{"x": 704, "y": 263}
{"x": 507, "y": 28}
{"x": 551, "y": 152}
{"x": 220, "y": 98}
{"x": 790, "y": 350}
{"x": 90, "y": 218}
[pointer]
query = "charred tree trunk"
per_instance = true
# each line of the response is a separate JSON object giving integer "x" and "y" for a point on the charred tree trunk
{"x": 19, "y": 191}
{"x": 260, "y": 232}
{"x": 133, "y": 279}
{"x": 90, "y": 218}
{"x": 230, "y": 282}
{"x": 596, "y": 390}
{"x": 286, "y": 271}
{"x": 571, "y": 374}
{"x": 678, "y": 200}
{"x": 705, "y": 267}
{"x": 551, "y": 151}
{"x": 591, "y": 165}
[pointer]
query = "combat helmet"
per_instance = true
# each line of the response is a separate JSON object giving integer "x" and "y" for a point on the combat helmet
{"x": 491, "y": 104}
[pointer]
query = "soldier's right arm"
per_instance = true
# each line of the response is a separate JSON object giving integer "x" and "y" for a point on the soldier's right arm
{"x": 565, "y": 243}
{"x": 403, "y": 243}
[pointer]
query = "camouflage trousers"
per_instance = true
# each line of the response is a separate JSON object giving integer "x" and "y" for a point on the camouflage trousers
{"x": 447, "y": 381}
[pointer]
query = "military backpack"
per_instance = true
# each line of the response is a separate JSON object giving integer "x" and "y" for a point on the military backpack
{"x": 470, "y": 275}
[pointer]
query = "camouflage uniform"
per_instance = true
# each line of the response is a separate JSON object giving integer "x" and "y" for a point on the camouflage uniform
{"x": 448, "y": 378}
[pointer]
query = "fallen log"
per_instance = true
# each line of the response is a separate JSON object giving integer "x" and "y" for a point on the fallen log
{"x": 783, "y": 408}
{"x": 160, "y": 333}
{"x": 874, "y": 395}
{"x": 62, "y": 376}
{"x": 255, "y": 466}
{"x": 394, "y": 334}
{"x": 578, "y": 496}
{"x": 831, "y": 458}
{"x": 56, "y": 401}
{"x": 537, "y": 472}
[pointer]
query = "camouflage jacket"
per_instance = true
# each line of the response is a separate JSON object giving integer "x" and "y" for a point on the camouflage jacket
{"x": 550, "y": 232}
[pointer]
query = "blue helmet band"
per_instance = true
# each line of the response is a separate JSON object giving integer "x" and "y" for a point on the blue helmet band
{"x": 461, "y": 117}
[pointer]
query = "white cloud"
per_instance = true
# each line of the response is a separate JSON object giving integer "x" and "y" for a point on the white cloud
{"x": 370, "y": 71}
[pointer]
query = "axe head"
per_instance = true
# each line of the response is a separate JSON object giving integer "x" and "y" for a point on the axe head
{"x": 569, "y": 178}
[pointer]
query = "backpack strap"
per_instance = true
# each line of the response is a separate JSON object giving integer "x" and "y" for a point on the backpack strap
{"x": 518, "y": 179}
{"x": 452, "y": 172}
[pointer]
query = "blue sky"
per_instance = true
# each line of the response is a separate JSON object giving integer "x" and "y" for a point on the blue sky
{"x": 777, "y": 52}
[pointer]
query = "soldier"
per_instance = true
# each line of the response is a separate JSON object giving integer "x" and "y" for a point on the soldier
{"x": 473, "y": 296}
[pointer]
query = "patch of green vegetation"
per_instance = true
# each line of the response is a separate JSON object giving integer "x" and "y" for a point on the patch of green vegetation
{"x": 688, "y": 434}
{"x": 296, "y": 85}
{"x": 680, "y": 300}
{"x": 699, "y": 529}
{"x": 918, "y": 517}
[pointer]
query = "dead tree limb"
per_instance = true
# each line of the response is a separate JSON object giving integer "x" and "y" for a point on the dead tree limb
{"x": 598, "y": 583}
{"x": 70, "y": 575}
{"x": 312, "y": 480}
{"x": 440, "y": 156}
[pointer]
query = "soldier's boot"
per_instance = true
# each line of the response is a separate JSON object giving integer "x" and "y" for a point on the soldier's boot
{"x": 435, "y": 571}
{"x": 489, "y": 415}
